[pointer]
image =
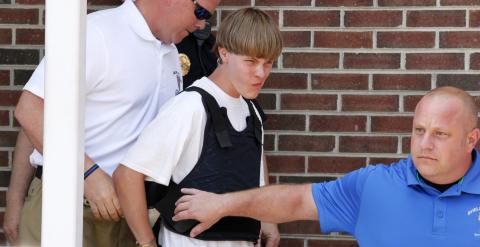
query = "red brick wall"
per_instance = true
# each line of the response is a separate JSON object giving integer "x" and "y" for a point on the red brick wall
{"x": 341, "y": 95}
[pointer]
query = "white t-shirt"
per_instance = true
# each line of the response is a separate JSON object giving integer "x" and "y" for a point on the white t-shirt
{"x": 170, "y": 146}
{"x": 129, "y": 76}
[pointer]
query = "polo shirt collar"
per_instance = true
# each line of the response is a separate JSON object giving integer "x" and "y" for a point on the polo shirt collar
{"x": 471, "y": 180}
{"x": 470, "y": 183}
{"x": 137, "y": 21}
{"x": 412, "y": 178}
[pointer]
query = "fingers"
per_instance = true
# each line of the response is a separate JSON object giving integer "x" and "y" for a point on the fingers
{"x": 189, "y": 191}
{"x": 183, "y": 199}
{"x": 181, "y": 207}
{"x": 102, "y": 208}
{"x": 95, "y": 212}
{"x": 12, "y": 235}
{"x": 199, "y": 229}
{"x": 116, "y": 204}
{"x": 184, "y": 215}
{"x": 112, "y": 211}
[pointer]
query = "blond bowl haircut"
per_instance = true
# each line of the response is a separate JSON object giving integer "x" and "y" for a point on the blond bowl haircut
{"x": 250, "y": 32}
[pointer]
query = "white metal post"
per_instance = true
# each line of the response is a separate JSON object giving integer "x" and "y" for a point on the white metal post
{"x": 62, "y": 210}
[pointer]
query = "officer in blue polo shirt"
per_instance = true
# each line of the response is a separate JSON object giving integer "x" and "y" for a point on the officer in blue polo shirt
{"x": 432, "y": 198}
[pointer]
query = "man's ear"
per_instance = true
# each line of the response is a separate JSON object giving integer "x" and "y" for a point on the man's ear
{"x": 224, "y": 54}
{"x": 472, "y": 138}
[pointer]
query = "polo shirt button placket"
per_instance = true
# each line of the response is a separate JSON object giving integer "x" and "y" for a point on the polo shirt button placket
{"x": 439, "y": 217}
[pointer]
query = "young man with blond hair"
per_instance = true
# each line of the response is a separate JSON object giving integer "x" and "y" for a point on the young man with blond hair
{"x": 208, "y": 137}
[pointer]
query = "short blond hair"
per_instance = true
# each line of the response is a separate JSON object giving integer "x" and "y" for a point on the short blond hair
{"x": 250, "y": 32}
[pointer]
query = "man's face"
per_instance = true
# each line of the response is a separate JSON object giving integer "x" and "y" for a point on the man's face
{"x": 247, "y": 74}
{"x": 187, "y": 22}
{"x": 440, "y": 147}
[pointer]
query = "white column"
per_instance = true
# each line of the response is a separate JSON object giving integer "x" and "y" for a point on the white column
{"x": 62, "y": 210}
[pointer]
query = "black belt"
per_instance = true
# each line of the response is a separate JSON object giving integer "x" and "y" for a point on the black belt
{"x": 39, "y": 172}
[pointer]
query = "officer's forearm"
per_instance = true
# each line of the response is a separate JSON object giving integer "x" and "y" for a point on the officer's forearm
{"x": 275, "y": 204}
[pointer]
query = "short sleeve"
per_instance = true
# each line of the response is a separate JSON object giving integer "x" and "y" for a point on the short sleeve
{"x": 96, "y": 58}
{"x": 174, "y": 136}
{"x": 36, "y": 83}
{"x": 95, "y": 67}
{"x": 338, "y": 202}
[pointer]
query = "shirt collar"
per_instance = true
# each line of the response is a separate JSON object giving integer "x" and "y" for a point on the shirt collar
{"x": 136, "y": 21}
{"x": 470, "y": 182}
{"x": 412, "y": 178}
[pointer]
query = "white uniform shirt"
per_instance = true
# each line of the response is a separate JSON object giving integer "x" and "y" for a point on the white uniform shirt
{"x": 171, "y": 145}
{"x": 129, "y": 75}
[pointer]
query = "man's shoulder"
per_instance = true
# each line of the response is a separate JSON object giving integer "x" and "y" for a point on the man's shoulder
{"x": 395, "y": 171}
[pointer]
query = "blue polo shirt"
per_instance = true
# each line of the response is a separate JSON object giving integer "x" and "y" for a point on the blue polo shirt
{"x": 389, "y": 206}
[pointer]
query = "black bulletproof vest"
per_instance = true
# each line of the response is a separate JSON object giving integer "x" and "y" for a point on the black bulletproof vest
{"x": 229, "y": 161}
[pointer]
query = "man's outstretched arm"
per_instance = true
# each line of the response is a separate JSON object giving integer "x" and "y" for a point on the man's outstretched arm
{"x": 276, "y": 204}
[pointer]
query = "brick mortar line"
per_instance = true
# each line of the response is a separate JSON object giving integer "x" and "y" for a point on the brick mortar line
{"x": 306, "y": 175}
{"x": 467, "y": 18}
{"x": 403, "y": 61}
{"x": 376, "y": 50}
{"x": 17, "y": 66}
{"x": 293, "y": 28}
{"x": 11, "y": 117}
{"x": 309, "y": 82}
{"x": 367, "y": 72}
{"x": 347, "y": 114}
{"x": 11, "y": 74}
{"x": 401, "y": 102}
{"x": 370, "y": 82}
{"x": 351, "y": 155}
{"x": 466, "y": 58}
{"x": 275, "y": 143}
{"x": 349, "y": 8}
{"x": 372, "y": 71}
{"x": 341, "y": 60}
{"x": 371, "y": 28}
{"x": 340, "y": 134}
{"x": 12, "y": 88}
{"x": 337, "y": 114}
{"x": 306, "y": 165}
{"x": 312, "y": 39}
{"x": 21, "y": 47}
{"x": 347, "y": 92}
{"x": 368, "y": 125}
{"x": 280, "y": 19}
{"x": 336, "y": 149}
{"x": 7, "y": 108}
{"x": 341, "y": 155}
{"x": 318, "y": 236}
{"x": 9, "y": 129}
{"x": 400, "y": 144}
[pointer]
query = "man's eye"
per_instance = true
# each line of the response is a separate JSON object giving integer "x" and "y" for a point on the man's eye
{"x": 441, "y": 134}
